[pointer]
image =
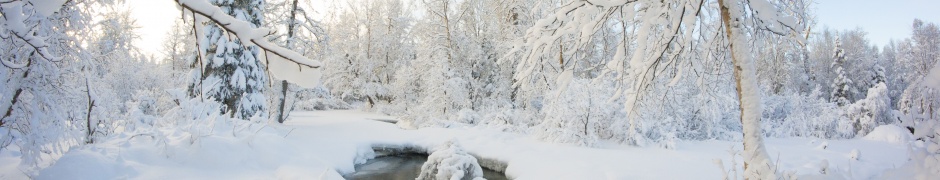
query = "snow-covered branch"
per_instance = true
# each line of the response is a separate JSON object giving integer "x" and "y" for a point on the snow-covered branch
{"x": 14, "y": 20}
{"x": 245, "y": 32}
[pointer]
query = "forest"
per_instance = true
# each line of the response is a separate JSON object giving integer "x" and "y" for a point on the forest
{"x": 275, "y": 89}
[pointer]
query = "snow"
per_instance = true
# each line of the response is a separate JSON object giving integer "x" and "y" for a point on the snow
{"x": 282, "y": 69}
{"x": 327, "y": 144}
{"x": 889, "y": 133}
{"x": 450, "y": 161}
{"x": 14, "y": 19}
{"x": 9, "y": 164}
{"x": 855, "y": 154}
{"x": 562, "y": 82}
{"x": 933, "y": 77}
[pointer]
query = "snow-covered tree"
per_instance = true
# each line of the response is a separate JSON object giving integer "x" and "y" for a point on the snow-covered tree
{"x": 871, "y": 112}
{"x": 231, "y": 72}
{"x": 303, "y": 34}
{"x": 841, "y": 84}
{"x": 45, "y": 98}
{"x": 925, "y": 156}
{"x": 665, "y": 31}
{"x": 443, "y": 71}
{"x": 375, "y": 44}
{"x": 72, "y": 75}
{"x": 920, "y": 102}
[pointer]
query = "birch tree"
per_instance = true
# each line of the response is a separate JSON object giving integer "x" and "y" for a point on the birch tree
{"x": 665, "y": 31}
{"x": 299, "y": 32}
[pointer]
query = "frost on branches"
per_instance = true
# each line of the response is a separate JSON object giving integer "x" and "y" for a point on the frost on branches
{"x": 660, "y": 34}
{"x": 44, "y": 90}
{"x": 581, "y": 115}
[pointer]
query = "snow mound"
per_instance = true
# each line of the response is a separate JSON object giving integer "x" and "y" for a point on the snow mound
{"x": 889, "y": 133}
{"x": 855, "y": 154}
{"x": 450, "y": 161}
{"x": 90, "y": 164}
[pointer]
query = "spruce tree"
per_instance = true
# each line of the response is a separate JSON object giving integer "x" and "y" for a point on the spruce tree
{"x": 840, "y": 85}
{"x": 232, "y": 73}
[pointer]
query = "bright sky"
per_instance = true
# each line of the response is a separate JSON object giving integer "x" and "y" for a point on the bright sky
{"x": 155, "y": 18}
{"x": 882, "y": 19}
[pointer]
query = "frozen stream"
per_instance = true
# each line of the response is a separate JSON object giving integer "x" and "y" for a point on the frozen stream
{"x": 402, "y": 167}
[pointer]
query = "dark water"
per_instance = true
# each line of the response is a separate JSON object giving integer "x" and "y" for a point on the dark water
{"x": 402, "y": 167}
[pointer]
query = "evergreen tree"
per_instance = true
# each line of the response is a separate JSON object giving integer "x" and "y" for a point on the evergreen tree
{"x": 840, "y": 85}
{"x": 232, "y": 73}
{"x": 879, "y": 76}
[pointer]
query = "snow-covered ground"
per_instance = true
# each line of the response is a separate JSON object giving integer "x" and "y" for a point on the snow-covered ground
{"x": 327, "y": 144}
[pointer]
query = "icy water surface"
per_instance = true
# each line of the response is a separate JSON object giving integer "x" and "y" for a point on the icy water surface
{"x": 402, "y": 167}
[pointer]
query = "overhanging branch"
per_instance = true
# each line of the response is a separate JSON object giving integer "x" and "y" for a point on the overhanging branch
{"x": 244, "y": 31}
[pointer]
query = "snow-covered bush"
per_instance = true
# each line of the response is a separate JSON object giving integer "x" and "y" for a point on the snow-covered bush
{"x": 468, "y": 116}
{"x": 445, "y": 96}
{"x": 450, "y": 161}
{"x": 580, "y": 114}
{"x": 510, "y": 120}
{"x": 918, "y": 104}
{"x": 801, "y": 116}
{"x": 145, "y": 108}
{"x": 195, "y": 116}
{"x": 462, "y": 118}
{"x": 318, "y": 99}
{"x": 868, "y": 113}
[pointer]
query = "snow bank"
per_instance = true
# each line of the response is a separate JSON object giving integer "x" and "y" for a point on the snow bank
{"x": 327, "y": 144}
{"x": 87, "y": 160}
{"x": 889, "y": 133}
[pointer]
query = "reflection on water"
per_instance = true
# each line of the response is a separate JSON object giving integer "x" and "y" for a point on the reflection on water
{"x": 402, "y": 167}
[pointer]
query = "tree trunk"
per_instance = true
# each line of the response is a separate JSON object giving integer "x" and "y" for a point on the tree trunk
{"x": 756, "y": 161}
{"x": 290, "y": 26}
{"x": 91, "y": 104}
{"x": 16, "y": 95}
{"x": 280, "y": 110}
{"x": 281, "y": 113}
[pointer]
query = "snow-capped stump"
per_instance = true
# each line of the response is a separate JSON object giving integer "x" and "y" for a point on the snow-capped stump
{"x": 824, "y": 167}
{"x": 855, "y": 154}
{"x": 450, "y": 161}
{"x": 823, "y": 146}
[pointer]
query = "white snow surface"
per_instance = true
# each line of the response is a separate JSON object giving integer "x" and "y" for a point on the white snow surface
{"x": 327, "y": 144}
{"x": 933, "y": 77}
